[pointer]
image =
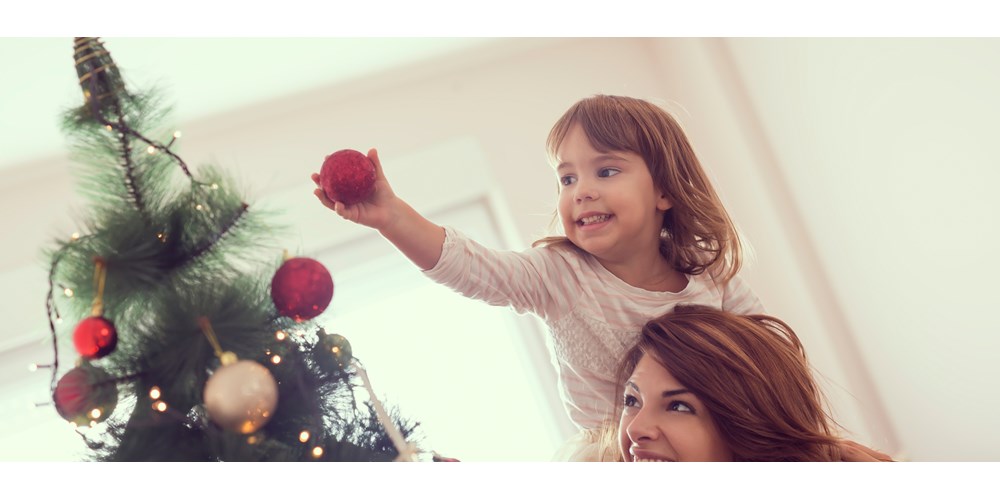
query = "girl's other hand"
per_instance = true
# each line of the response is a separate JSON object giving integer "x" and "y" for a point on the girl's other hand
{"x": 854, "y": 452}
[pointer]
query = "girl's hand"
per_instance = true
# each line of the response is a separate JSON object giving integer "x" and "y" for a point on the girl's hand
{"x": 854, "y": 452}
{"x": 375, "y": 212}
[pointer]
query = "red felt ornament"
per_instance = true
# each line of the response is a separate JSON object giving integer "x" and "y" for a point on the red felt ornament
{"x": 95, "y": 337}
{"x": 85, "y": 395}
{"x": 347, "y": 176}
{"x": 302, "y": 288}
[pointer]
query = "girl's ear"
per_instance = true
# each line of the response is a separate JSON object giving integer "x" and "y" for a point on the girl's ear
{"x": 662, "y": 203}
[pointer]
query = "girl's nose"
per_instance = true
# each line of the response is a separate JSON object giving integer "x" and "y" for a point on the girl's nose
{"x": 586, "y": 192}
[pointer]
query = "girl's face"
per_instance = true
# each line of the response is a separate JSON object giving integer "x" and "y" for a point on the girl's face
{"x": 607, "y": 202}
{"x": 663, "y": 422}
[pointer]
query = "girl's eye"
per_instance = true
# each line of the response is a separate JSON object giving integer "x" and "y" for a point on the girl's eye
{"x": 680, "y": 406}
{"x": 631, "y": 401}
{"x": 566, "y": 180}
{"x": 608, "y": 172}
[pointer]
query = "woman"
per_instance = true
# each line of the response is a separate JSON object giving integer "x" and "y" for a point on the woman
{"x": 707, "y": 385}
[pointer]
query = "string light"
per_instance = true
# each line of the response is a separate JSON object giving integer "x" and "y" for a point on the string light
{"x": 154, "y": 392}
{"x": 280, "y": 335}
{"x": 67, "y": 292}
{"x": 177, "y": 134}
{"x": 151, "y": 150}
{"x": 252, "y": 439}
{"x": 109, "y": 127}
{"x": 75, "y": 236}
{"x": 32, "y": 367}
{"x": 303, "y": 436}
{"x": 160, "y": 406}
{"x": 198, "y": 207}
{"x": 215, "y": 187}
{"x": 95, "y": 414}
{"x": 276, "y": 359}
{"x": 317, "y": 452}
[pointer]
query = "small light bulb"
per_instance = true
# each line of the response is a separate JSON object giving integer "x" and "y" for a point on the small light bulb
{"x": 154, "y": 392}
{"x": 177, "y": 134}
{"x": 317, "y": 452}
{"x": 215, "y": 187}
{"x": 68, "y": 292}
{"x": 75, "y": 236}
{"x": 276, "y": 359}
{"x": 59, "y": 320}
{"x": 95, "y": 413}
{"x": 335, "y": 350}
{"x": 151, "y": 150}
{"x": 280, "y": 335}
{"x": 109, "y": 127}
{"x": 198, "y": 207}
{"x": 160, "y": 406}
{"x": 252, "y": 439}
{"x": 303, "y": 436}
{"x": 33, "y": 367}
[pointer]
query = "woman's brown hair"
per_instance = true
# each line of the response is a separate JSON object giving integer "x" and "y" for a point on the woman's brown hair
{"x": 697, "y": 233}
{"x": 751, "y": 373}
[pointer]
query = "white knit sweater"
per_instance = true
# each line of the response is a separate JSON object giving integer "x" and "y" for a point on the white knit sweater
{"x": 592, "y": 315}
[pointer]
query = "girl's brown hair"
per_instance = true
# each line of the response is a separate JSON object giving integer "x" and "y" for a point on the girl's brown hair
{"x": 697, "y": 233}
{"x": 750, "y": 372}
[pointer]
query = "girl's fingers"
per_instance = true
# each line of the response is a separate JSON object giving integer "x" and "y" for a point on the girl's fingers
{"x": 373, "y": 156}
{"x": 322, "y": 198}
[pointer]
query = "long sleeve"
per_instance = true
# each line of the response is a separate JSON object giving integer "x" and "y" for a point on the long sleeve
{"x": 528, "y": 281}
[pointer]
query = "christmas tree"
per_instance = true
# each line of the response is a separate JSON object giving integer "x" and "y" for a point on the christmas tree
{"x": 191, "y": 329}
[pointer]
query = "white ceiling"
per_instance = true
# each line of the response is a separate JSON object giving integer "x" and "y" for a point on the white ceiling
{"x": 201, "y": 76}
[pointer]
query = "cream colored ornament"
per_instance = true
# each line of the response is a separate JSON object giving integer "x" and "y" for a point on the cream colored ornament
{"x": 241, "y": 395}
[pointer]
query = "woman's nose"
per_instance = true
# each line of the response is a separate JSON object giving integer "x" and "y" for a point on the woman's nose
{"x": 642, "y": 427}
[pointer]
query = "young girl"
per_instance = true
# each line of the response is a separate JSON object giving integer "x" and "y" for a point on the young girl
{"x": 707, "y": 385}
{"x": 644, "y": 230}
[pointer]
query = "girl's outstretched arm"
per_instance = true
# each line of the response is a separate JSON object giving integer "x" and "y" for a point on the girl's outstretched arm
{"x": 418, "y": 238}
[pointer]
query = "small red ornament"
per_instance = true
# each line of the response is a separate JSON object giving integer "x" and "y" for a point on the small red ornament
{"x": 347, "y": 176}
{"x": 95, "y": 337}
{"x": 301, "y": 289}
{"x": 85, "y": 395}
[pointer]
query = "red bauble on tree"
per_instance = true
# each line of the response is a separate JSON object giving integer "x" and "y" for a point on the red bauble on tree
{"x": 84, "y": 395}
{"x": 347, "y": 176}
{"x": 95, "y": 337}
{"x": 302, "y": 288}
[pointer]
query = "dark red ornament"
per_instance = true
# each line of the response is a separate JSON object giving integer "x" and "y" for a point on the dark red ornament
{"x": 347, "y": 176}
{"x": 301, "y": 289}
{"x": 85, "y": 395}
{"x": 95, "y": 337}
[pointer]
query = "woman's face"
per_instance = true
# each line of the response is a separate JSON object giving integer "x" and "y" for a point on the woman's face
{"x": 663, "y": 422}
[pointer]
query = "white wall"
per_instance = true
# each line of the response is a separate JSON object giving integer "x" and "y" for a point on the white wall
{"x": 857, "y": 169}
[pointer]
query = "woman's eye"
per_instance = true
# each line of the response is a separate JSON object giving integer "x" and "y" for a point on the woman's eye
{"x": 631, "y": 401}
{"x": 566, "y": 180}
{"x": 680, "y": 406}
{"x": 608, "y": 172}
